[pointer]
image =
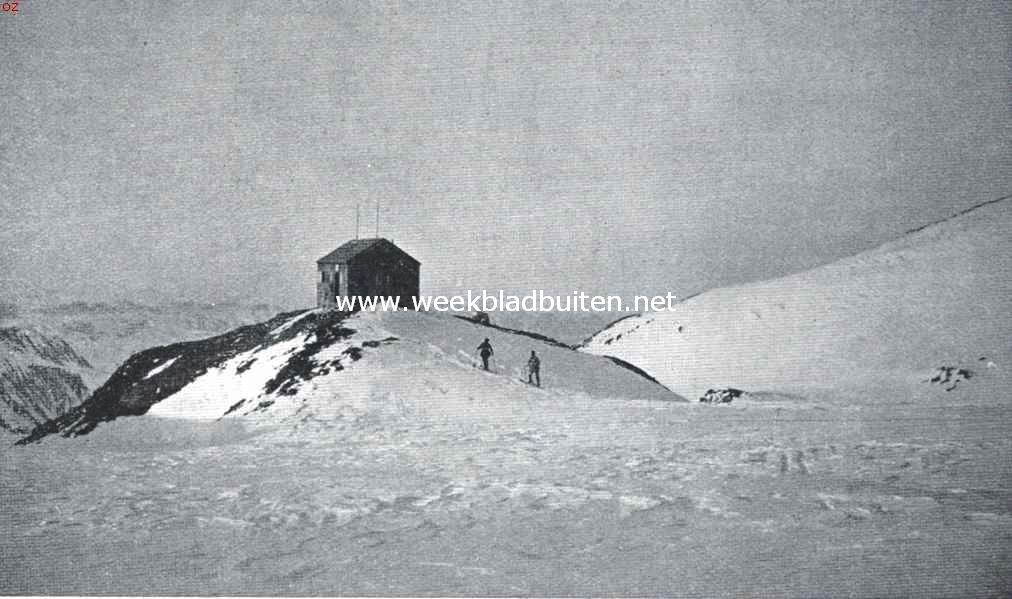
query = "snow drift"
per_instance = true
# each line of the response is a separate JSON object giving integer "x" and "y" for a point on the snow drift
{"x": 883, "y": 318}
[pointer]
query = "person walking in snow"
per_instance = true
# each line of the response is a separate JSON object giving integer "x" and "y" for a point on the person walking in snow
{"x": 534, "y": 369}
{"x": 485, "y": 349}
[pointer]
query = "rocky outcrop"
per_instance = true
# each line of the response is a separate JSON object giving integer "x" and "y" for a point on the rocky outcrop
{"x": 721, "y": 395}
{"x": 157, "y": 373}
{"x": 949, "y": 377}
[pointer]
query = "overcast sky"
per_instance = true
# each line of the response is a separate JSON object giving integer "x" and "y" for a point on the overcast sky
{"x": 213, "y": 151}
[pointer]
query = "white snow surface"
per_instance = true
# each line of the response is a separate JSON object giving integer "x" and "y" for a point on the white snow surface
{"x": 882, "y": 318}
{"x": 486, "y": 491}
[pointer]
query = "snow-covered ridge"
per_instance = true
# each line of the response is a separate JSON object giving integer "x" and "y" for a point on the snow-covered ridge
{"x": 184, "y": 374}
{"x": 317, "y": 365}
{"x": 936, "y": 296}
{"x": 53, "y": 356}
{"x": 290, "y": 357}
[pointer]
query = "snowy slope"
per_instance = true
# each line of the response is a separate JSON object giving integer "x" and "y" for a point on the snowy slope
{"x": 317, "y": 366}
{"x": 883, "y": 318}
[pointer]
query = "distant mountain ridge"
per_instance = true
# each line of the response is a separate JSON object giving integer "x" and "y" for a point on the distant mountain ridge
{"x": 55, "y": 350}
{"x": 40, "y": 378}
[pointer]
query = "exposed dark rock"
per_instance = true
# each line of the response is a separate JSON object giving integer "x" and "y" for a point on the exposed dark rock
{"x": 721, "y": 395}
{"x": 950, "y": 376}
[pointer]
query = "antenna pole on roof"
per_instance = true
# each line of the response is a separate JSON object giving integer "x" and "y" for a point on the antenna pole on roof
{"x": 377, "y": 218}
{"x": 356, "y": 220}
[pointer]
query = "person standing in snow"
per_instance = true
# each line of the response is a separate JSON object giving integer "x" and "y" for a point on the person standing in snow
{"x": 534, "y": 369}
{"x": 485, "y": 349}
